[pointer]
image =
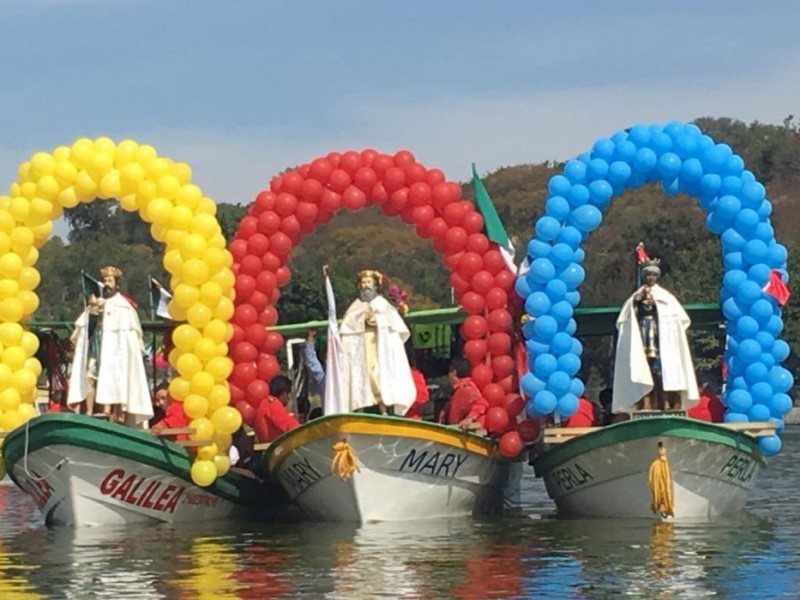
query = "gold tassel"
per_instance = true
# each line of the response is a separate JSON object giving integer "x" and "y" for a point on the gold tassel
{"x": 344, "y": 462}
{"x": 662, "y": 491}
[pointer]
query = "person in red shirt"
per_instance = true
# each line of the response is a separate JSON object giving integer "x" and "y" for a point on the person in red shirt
{"x": 709, "y": 408}
{"x": 467, "y": 407}
{"x": 583, "y": 417}
{"x": 174, "y": 418}
{"x": 272, "y": 419}
{"x": 423, "y": 395}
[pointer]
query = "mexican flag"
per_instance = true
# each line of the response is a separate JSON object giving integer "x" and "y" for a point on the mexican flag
{"x": 492, "y": 223}
{"x": 91, "y": 286}
{"x": 159, "y": 299}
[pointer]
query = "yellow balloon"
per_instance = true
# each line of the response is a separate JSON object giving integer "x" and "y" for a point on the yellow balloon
{"x": 195, "y": 406}
{"x": 204, "y": 472}
{"x": 207, "y": 452}
{"x": 179, "y": 388}
{"x": 100, "y": 165}
{"x": 30, "y": 302}
{"x": 225, "y": 279}
{"x": 224, "y": 310}
{"x": 182, "y": 171}
{"x": 126, "y": 150}
{"x": 202, "y": 383}
{"x": 168, "y": 186}
{"x": 128, "y": 203}
{"x": 181, "y": 218}
{"x": 195, "y": 271}
{"x": 218, "y": 397}
{"x": 220, "y": 367}
{"x": 68, "y": 198}
{"x": 186, "y": 295}
{"x": 41, "y": 164}
{"x": 33, "y": 365}
{"x": 205, "y": 226}
{"x": 24, "y": 171}
{"x": 159, "y": 232}
{"x": 159, "y": 210}
{"x": 111, "y": 185}
{"x": 173, "y": 262}
{"x": 41, "y": 208}
{"x": 203, "y": 429}
{"x": 30, "y": 257}
{"x": 211, "y": 292}
{"x": 205, "y": 349}
{"x": 145, "y": 192}
{"x": 65, "y": 173}
{"x": 11, "y": 309}
{"x": 47, "y": 187}
{"x": 5, "y": 243}
{"x": 222, "y": 462}
{"x": 222, "y": 440}
{"x": 81, "y": 152}
{"x": 27, "y": 411}
{"x": 144, "y": 154}
{"x": 85, "y": 186}
{"x": 29, "y": 343}
{"x": 189, "y": 196}
{"x": 11, "y": 334}
{"x": 157, "y": 168}
{"x": 206, "y": 206}
{"x": 105, "y": 144}
{"x": 11, "y": 420}
{"x": 226, "y": 419}
{"x": 176, "y": 311}
{"x": 9, "y": 288}
{"x": 28, "y": 278}
{"x": 21, "y": 239}
{"x": 199, "y": 315}
{"x": 5, "y": 375}
{"x": 14, "y": 357}
{"x": 193, "y": 245}
{"x": 215, "y": 259}
{"x": 61, "y": 153}
{"x": 184, "y": 337}
{"x": 23, "y": 380}
{"x": 11, "y": 265}
{"x": 20, "y": 209}
{"x": 174, "y": 238}
{"x": 28, "y": 189}
{"x": 215, "y": 330}
{"x": 188, "y": 364}
{"x": 131, "y": 175}
{"x": 9, "y": 399}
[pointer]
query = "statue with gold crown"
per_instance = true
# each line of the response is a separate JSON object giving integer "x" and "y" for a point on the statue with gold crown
{"x": 374, "y": 366}
{"x": 653, "y": 367}
{"x": 108, "y": 364}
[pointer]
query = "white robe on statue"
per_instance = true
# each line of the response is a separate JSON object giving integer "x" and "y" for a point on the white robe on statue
{"x": 121, "y": 378}
{"x": 632, "y": 377}
{"x": 393, "y": 373}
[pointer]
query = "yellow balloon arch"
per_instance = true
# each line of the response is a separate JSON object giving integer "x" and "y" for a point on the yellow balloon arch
{"x": 195, "y": 256}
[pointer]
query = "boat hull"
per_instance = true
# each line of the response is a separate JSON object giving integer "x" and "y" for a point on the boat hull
{"x": 407, "y": 470}
{"x": 83, "y": 472}
{"x": 605, "y": 473}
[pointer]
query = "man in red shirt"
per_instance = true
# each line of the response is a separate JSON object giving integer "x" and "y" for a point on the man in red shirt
{"x": 467, "y": 407}
{"x": 583, "y": 417}
{"x": 423, "y": 395}
{"x": 272, "y": 419}
{"x": 174, "y": 418}
{"x": 709, "y": 408}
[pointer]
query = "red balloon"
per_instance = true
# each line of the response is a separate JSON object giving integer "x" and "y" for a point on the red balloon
{"x": 415, "y": 173}
{"x": 238, "y": 249}
{"x": 304, "y": 170}
{"x": 291, "y": 227}
{"x": 505, "y": 280}
{"x": 237, "y": 393}
{"x": 330, "y": 201}
{"x": 474, "y": 327}
{"x": 455, "y": 238}
{"x": 379, "y": 194}
{"x": 407, "y": 214}
{"x": 266, "y": 282}
{"x": 247, "y": 411}
{"x": 365, "y": 179}
{"x": 499, "y": 320}
{"x": 268, "y": 317}
{"x": 494, "y": 394}
{"x": 499, "y": 343}
{"x": 269, "y": 222}
{"x": 437, "y": 242}
{"x": 283, "y": 275}
{"x": 381, "y": 163}
{"x": 472, "y": 303}
{"x": 257, "y": 244}
{"x": 437, "y": 227}
{"x": 475, "y": 351}
{"x": 508, "y": 383}
{"x": 292, "y": 182}
{"x": 244, "y": 286}
{"x": 496, "y": 420}
{"x": 502, "y": 366}
{"x": 286, "y": 204}
{"x": 393, "y": 179}
{"x": 245, "y": 315}
{"x": 321, "y": 170}
{"x": 311, "y": 190}
{"x": 255, "y": 334}
{"x": 494, "y": 261}
{"x": 513, "y": 403}
{"x": 398, "y": 199}
{"x": 244, "y": 352}
{"x": 482, "y": 282}
{"x": 353, "y": 198}
{"x": 351, "y": 161}
{"x": 458, "y": 283}
{"x": 368, "y": 156}
{"x": 339, "y": 180}
{"x": 496, "y": 298}
{"x": 477, "y": 242}
{"x": 237, "y": 336}
{"x": 334, "y": 158}
{"x": 264, "y": 201}
{"x": 404, "y": 157}
{"x": 250, "y": 265}
{"x": 276, "y": 184}
{"x": 247, "y": 227}
{"x": 452, "y": 259}
{"x": 243, "y": 374}
{"x": 482, "y": 375}
{"x": 307, "y": 211}
{"x": 435, "y": 177}
{"x": 454, "y": 214}
{"x": 419, "y": 194}
{"x": 445, "y": 193}
{"x": 423, "y": 215}
{"x": 259, "y": 300}
{"x": 510, "y": 444}
{"x": 469, "y": 264}
{"x": 267, "y": 367}
{"x": 271, "y": 262}
{"x": 257, "y": 391}
{"x": 273, "y": 342}
{"x": 529, "y": 430}
{"x": 472, "y": 222}
{"x": 280, "y": 243}
{"x": 275, "y": 296}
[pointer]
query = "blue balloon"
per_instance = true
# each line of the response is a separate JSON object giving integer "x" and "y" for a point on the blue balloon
{"x": 619, "y": 172}
{"x": 774, "y": 325}
{"x": 570, "y": 236}
{"x": 728, "y": 206}
{"x": 691, "y": 170}
{"x": 759, "y": 273}
{"x": 733, "y": 166}
{"x": 766, "y": 341}
{"x": 578, "y": 195}
{"x": 574, "y": 298}
{"x": 547, "y": 228}
{"x": 579, "y": 255}
{"x": 586, "y": 218}
{"x": 762, "y": 311}
{"x": 765, "y": 210}
{"x": 569, "y": 363}
{"x": 710, "y": 184}
{"x": 748, "y": 293}
{"x": 573, "y": 276}
{"x": 528, "y": 331}
{"x": 770, "y": 445}
{"x": 755, "y": 373}
{"x": 781, "y": 379}
{"x": 731, "y": 310}
{"x": 672, "y": 187}
{"x": 542, "y": 270}
{"x": 577, "y": 347}
{"x": 755, "y": 252}
{"x": 558, "y": 185}
{"x": 645, "y": 160}
{"x": 669, "y": 165}
{"x": 531, "y": 385}
{"x": 685, "y": 146}
{"x": 777, "y": 256}
{"x": 538, "y": 249}
{"x": 625, "y": 151}
{"x": 746, "y": 327}
{"x": 577, "y": 387}
{"x": 708, "y": 202}
{"x": 732, "y": 240}
{"x": 544, "y": 403}
{"x": 537, "y": 304}
{"x": 735, "y": 417}
{"x": 765, "y": 233}
{"x": 544, "y": 366}
{"x": 558, "y": 383}
{"x": 561, "y": 343}
{"x": 557, "y": 207}
{"x": 555, "y": 289}
{"x": 575, "y": 171}
{"x": 749, "y": 351}
{"x": 768, "y": 359}
{"x": 733, "y": 279}
{"x": 733, "y": 260}
{"x": 731, "y": 186}
{"x": 521, "y": 287}
{"x": 746, "y": 221}
{"x": 674, "y": 129}
{"x": 636, "y": 180}
{"x": 603, "y": 149}
{"x": 780, "y": 404}
{"x": 779, "y": 424}
{"x": 661, "y": 143}
{"x": 534, "y": 348}
{"x": 546, "y": 327}
{"x": 600, "y": 193}
{"x": 753, "y": 193}
{"x": 761, "y": 392}
{"x": 561, "y": 255}
{"x": 714, "y": 159}
{"x": 780, "y": 350}
{"x": 758, "y": 413}
{"x": 567, "y": 405}
{"x": 597, "y": 169}
{"x": 639, "y": 135}
{"x": 739, "y": 383}
{"x": 562, "y": 312}
{"x": 739, "y": 401}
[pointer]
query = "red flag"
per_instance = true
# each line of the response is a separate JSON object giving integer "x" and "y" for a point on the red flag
{"x": 776, "y": 288}
{"x": 641, "y": 254}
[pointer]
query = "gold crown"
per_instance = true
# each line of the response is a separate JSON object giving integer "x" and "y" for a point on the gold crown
{"x": 376, "y": 275}
{"x": 112, "y": 271}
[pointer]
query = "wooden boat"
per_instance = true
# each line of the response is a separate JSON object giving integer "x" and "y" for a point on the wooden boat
{"x": 706, "y": 470}
{"x": 366, "y": 468}
{"x": 82, "y": 471}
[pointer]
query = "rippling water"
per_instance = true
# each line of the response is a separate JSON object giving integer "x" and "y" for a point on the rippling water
{"x": 520, "y": 556}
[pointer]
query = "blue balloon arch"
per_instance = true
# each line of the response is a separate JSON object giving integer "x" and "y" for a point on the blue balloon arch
{"x": 685, "y": 160}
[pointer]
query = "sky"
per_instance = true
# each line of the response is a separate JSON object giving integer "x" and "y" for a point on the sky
{"x": 242, "y": 90}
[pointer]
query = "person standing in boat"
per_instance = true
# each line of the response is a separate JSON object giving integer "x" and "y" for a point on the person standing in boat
{"x": 375, "y": 370}
{"x": 653, "y": 364}
{"x": 108, "y": 364}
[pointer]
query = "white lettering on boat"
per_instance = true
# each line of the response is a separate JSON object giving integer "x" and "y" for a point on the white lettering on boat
{"x": 436, "y": 464}
{"x": 299, "y": 475}
{"x": 39, "y": 488}
{"x": 740, "y": 468}
{"x": 137, "y": 490}
{"x": 570, "y": 477}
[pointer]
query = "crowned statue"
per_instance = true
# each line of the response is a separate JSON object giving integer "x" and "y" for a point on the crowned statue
{"x": 653, "y": 367}
{"x": 108, "y": 366}
{"x": 375, "y": 369}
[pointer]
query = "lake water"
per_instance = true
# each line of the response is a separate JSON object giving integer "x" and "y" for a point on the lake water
{"x": 517, "y": 556}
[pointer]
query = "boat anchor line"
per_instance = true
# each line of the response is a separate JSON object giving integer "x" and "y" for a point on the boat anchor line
{"x": 35, "y": 476}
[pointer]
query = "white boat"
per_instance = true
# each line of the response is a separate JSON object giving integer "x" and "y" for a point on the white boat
{"x": 367, "y": 468}
{"x": 708, "y": 469}
{"x": 82, "y": 471}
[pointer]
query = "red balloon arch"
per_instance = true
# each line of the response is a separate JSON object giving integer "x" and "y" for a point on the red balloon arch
{"x": 300, "y": 200}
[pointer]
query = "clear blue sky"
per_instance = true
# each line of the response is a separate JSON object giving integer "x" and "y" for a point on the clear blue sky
{"x": 241, "y": 90}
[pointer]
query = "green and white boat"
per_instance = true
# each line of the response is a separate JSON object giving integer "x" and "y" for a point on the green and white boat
{"x": 707, "y": 470}
{"x": 82, "y": 471}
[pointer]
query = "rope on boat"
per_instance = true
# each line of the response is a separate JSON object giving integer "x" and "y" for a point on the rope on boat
{"x": 344, "y": 462}
{"x": 662, "y": 491}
